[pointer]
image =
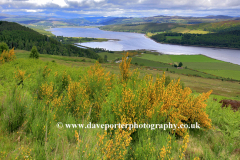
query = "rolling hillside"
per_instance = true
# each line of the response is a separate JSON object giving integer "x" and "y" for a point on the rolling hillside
{"x": 141, "y": 28}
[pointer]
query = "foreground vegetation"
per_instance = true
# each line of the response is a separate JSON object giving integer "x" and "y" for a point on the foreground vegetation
{"x": 50, "y": 93}
{"x": 196, "y": 83}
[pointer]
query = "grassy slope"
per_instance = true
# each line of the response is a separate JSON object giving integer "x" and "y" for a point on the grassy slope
{"x": 204, "y": 28}
{"x": 222, "y": 88}
{"x": 160, "y": 58}
{"x": 213, "y": 144}
{"x": 187, "y": 30}
{"x": 208, "y": 65}
{"x": 43, "y": 32}
{"x": 217, "y": 26}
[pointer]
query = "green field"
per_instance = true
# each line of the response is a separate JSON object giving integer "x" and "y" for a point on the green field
{"x": 111, "y": 56}
{"x": 187, "y": 30}
{"x": 196, "y": 65}
{"x": 234, "y": 74}
{"x": 149, "y": 63}
{"x": 150, "y": 34}
{"x": 209, "y": 65}
{"x": 159, "y": 58}
{"x": 192, "y": 58}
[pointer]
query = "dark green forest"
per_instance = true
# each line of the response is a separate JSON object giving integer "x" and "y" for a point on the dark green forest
{"x": 230, "y": 39}
{"x": 21, "y": 37}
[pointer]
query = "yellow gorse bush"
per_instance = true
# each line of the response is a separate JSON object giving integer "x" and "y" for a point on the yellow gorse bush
{"x": 97, "y": 84}
{"x": 116, "y": 146}
{"x": 7, "y": 56}
{"x": 141, "y": 100}
{"x": 20, "y": 76}
{"x": 124, "y": 67}
{"x": 77, "y": 99}
{"x": 183, "y": 148}
{"x": 47, "y": 91}
{"x": 177, "y": 105}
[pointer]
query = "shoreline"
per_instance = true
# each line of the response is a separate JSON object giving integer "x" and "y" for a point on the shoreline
{"x": 193, "y": 45}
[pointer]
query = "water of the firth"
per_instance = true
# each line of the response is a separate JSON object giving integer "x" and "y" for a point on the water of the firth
{"x": 135, "y": 41}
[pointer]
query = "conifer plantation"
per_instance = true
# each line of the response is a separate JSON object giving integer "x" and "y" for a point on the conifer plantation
{"x": 21, "y": 37}
{"x": 35, "y": 96}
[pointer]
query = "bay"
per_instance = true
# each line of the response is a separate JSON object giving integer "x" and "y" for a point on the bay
{"x": 123, "y": 41}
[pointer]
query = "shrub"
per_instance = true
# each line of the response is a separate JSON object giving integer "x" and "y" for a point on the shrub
{"x": 7, "y": 56}
{"x": 34, "y": 53}
{"x": 105, "y": 58}
{"x": 3, "y": 46}
{"x": 100, "y": 60}
{"x": 180, "y": 64}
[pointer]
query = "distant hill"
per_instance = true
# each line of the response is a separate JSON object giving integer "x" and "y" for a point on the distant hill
{"x": 50, "y": 21}
{"x": 218, "y": 17}
{"x": 21, "y": 37}
{"x": 141, "y": 28}
{"x": 222, "y": 26}
{"x": 168, "y": 19}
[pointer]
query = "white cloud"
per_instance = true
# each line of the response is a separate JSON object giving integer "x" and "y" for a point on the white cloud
{"x": 124, "y": 7}
{"x": 60, "y": 3}
{"x": 34, "y": 10}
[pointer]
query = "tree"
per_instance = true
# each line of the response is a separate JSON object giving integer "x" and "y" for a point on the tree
{"x": 180, "y": 64}
{"x": 3, "y": 46}
{"x": 44, "y": 51}
{"x": 100, "y": 60}
{"x": 34, "y": 53}
{"x": 105, "y": 58}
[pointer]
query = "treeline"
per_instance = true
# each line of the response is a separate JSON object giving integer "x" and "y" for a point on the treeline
{"x": 21, "y": 37}
{"x": 225, "y": 39}
{"x": 72, "y": 40}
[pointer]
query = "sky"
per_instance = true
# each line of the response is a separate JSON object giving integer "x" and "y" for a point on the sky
{"x": 120, "y": 8}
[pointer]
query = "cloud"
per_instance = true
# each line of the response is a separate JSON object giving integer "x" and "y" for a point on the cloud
{"x": 126, "y": 7}
{"x": 34, "y": 10}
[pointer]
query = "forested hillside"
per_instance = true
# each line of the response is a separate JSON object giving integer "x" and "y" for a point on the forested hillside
{"x": 229, "y": 39}
{"x": 21, "y": 37}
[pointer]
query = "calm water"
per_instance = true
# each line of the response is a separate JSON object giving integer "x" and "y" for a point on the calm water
{"x": 134, "y": 41}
